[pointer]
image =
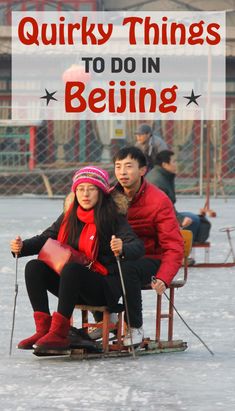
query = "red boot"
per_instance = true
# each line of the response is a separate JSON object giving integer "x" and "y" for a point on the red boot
{"x": 56, "y": 341}
{"x": 43, "y": 323}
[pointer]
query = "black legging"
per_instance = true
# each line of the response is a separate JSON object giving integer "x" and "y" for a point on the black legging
{"x": 76, "y": 285}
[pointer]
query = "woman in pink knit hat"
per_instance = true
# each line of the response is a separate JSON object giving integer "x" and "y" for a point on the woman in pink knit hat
{"x": 94, "y": 225}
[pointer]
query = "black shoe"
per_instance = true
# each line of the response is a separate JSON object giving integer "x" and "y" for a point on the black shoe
{"x": 78, "y": 339}
{"x": 79, "y": 332}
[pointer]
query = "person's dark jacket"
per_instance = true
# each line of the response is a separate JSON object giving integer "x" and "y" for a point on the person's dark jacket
{"x": 165, "y": 180}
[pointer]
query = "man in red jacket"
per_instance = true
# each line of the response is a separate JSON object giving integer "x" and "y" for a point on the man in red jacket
{"x": 152, "y": 217}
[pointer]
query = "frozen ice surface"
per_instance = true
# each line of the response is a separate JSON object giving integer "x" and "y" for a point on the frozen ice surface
{"x": 192, "y": 380}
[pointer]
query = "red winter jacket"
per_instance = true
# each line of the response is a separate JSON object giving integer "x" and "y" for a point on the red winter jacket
{"x": 152, "y": 217}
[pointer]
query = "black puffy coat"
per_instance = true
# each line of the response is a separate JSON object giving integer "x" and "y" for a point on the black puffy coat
{"x": 133, "y": 247}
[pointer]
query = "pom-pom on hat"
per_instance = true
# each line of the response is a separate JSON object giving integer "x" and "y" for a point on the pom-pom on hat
{"x": 92, "y": 175}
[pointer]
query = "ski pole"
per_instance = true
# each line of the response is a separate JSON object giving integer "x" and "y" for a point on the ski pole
{"x": 182, "y": 319}
{"x": 125, "y": 302}
{"x": 14, "y": 307}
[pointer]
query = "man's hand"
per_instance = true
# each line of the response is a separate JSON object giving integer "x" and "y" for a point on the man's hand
{"x": 116, "y": 245}
{"x": 158, "y": 286}
{"x": 16, "y": 245}
{"x": 186, "y": 222}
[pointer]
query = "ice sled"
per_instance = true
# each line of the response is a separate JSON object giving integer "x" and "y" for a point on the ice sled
{"x": 109, "y": 346}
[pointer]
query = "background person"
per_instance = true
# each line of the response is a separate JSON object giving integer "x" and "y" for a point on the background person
{"x": 163, "y": 176}
{"x": 149, "y": 143}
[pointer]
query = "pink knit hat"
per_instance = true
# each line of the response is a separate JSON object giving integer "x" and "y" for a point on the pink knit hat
{"x": 93, "y": 175}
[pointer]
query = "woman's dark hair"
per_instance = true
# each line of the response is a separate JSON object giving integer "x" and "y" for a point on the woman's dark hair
{"x": 133, "y": 152}
{"x": 106, "y": 216}
{"x": 163, "y": 157}
{"x": 106, "y": 219}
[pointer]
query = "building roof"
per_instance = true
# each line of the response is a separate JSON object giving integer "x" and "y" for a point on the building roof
{"x": 174, "y": 5}
{"x": 183, "y": 5}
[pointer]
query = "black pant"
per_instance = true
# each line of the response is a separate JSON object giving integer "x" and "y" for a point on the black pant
{"x": 79, "y": 285}
{"x": 76, "y": 285}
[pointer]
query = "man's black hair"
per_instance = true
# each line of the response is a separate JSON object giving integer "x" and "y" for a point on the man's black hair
{"x": 133, "y": 152}
{"x": 163, "y": 157}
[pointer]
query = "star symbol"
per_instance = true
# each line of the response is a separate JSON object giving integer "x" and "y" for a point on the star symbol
{"x": 49, "y": 96}
{"x": 192, "y": 98}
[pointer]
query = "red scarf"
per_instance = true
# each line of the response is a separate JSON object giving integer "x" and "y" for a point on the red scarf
{"x": 88, "y": 241}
